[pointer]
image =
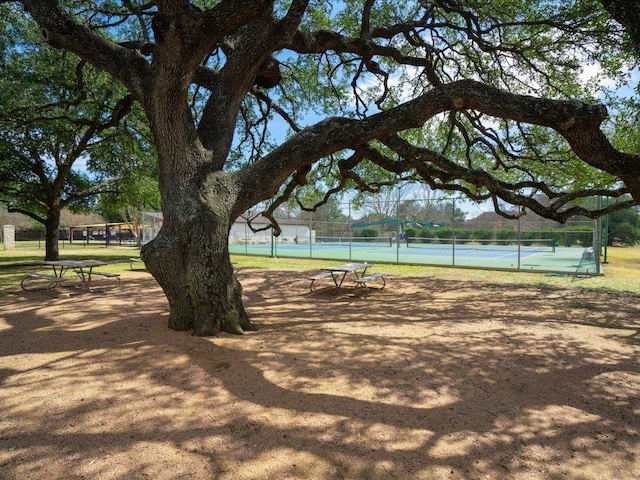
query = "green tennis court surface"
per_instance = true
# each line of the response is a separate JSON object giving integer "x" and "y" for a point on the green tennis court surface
{"x": 542, "y": 256}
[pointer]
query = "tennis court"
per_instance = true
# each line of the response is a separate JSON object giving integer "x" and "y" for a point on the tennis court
{"x": 542, "y": 256}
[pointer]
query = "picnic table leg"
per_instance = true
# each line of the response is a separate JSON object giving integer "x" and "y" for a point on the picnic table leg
{"x": 59, "y": 273}
{"x": 364, "y": 272}
{"x": 87, "y": 285}
{"x": 85, "y": 278}
{"x": 360, "y": 276}
{"x": 335, "y": 280}
{"x": 311, "y": 284}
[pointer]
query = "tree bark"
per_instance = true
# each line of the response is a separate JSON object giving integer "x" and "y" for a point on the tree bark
{"x": 627, "y": 13}
{"x": 190, "y": 260}
{"x": 51, "y": 226}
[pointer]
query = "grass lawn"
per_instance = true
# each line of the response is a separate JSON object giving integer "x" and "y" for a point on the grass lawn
{"x": 622, "y": 271}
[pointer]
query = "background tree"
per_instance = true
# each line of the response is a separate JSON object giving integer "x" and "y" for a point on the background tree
{"x": 384, "y": 203}
{"x": 69, "y": 219}
{"x": 472, "y": 97}
{"x": 624, "y": 227}
{"x": 328, "y": 218}
{"x": 137, "y": 191}
{"x": 61, "y": 132}
{"x": 441, "y": 210}
{"x": 16, "y": 219}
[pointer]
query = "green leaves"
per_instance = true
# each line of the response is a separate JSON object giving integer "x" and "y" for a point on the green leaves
{"x": 61, "y": 144}
{"x": 353, "y": 60}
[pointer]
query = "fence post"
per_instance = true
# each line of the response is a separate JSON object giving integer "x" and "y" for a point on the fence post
{"x": 350, "y": 229}
{"x": 310, "y": 235}
{"x": 453, "y": 232}
{"x": 519, "y": 236}
{"x": 604, "y": 232}
{"x": 597, "y": 242}
{"x": 398, "y": 228}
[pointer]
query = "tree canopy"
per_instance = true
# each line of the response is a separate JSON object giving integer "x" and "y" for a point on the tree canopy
{"x": 63, "y": 137}
{"x": 255, "y": 101}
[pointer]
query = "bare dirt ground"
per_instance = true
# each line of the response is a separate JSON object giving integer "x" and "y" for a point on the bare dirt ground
{"x": 427, "y": 379}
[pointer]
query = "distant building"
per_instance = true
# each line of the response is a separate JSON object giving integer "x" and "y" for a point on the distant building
{"x": 241, "y": 233}
{"x": 293, "y": 231}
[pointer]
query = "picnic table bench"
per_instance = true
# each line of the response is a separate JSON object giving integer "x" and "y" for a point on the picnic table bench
{"x": 109, "y": 275}
{"x": 318, "y": 276}
{"x": 374, "y": 276}
{"x": 133, "y": 261}
{"x": 40, "y": 281}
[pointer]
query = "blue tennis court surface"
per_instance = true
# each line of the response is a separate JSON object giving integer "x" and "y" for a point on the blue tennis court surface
{"x": 573, "y": 260}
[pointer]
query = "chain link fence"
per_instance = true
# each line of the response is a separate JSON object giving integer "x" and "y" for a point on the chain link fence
{"x": 430, "y": 232}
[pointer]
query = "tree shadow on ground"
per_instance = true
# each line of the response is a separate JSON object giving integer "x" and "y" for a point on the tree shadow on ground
{"x": 428, "y": 378}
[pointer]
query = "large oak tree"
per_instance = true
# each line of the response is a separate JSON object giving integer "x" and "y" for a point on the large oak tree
{"x": 476, "y": 97}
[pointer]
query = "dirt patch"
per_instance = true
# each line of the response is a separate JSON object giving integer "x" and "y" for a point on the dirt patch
{"x": 427, "y": 379}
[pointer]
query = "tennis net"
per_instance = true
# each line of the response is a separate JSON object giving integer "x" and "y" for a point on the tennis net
{"x": 354, "y": 241}
{"x": 530, "y": 245}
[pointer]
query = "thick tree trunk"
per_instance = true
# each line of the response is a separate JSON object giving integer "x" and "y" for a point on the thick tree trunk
{"x": 190, "y": 260}
{"x": 51, "y": 228}
{"x": 190, "y": 256}
{"x": 191, "y": 264}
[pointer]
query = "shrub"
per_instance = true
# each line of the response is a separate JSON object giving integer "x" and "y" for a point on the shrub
{"x": 507, "y": 234}
{"x": 369, "y": 232}
{"x": 411, "y": 232}
{"x": 484, "y": 234}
